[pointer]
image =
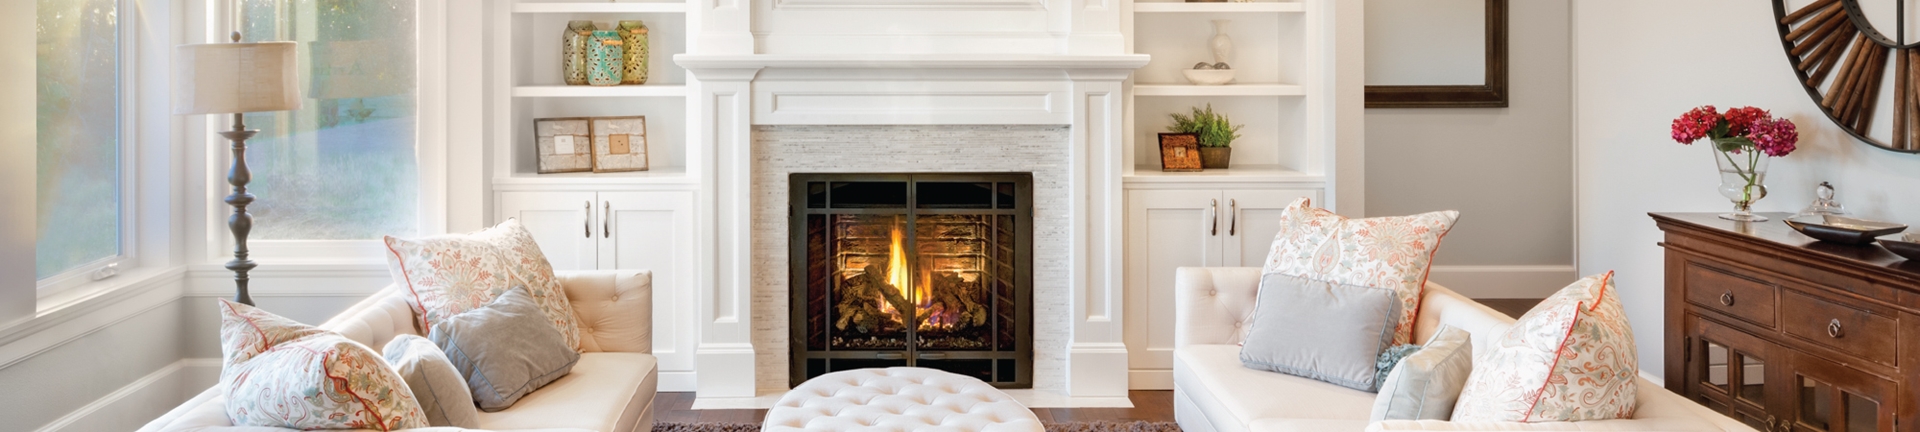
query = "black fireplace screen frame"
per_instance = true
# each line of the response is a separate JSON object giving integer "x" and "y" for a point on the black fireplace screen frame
{"x": 807, "y": 363}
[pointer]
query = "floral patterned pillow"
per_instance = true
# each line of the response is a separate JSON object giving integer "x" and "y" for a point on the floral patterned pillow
{"x": 280, "y": 373}
{"x": 1569, "y": 359}
{"x": 1384, "y": 252}
{"x": 449, "y": 274}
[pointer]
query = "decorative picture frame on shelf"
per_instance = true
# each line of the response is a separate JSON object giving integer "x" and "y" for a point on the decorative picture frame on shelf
{"x": 619, "y": 144}
{"x": 1179, "y": 152}
{"x": 563, "y": 144}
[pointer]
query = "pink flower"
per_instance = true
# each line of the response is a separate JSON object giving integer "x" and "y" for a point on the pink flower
{"x": 1775, "y": 136}
{"x": 1695, "y": 124}
{"x": 1743, "y": 119}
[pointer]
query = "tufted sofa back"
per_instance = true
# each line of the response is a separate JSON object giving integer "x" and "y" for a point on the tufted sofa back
{"x": 615, "y": 309}
{"x": 1212, "y": 306}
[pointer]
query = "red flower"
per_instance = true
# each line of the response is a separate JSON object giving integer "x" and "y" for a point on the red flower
{"x": 1742, "y": 120}
{"x": 1695, "y": 124}
{"x": 1775, "y": 136}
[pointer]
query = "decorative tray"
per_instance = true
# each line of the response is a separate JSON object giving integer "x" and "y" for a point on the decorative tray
{"x": 1841, "y": 229}
{"x": 1905, "y": 245}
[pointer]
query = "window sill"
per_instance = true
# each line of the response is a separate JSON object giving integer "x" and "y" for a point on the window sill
{"x": 70, "y": 303}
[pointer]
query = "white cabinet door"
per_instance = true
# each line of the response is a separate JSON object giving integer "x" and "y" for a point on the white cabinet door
{"x": 561, "y": 222}
{"x": 1252, "y": 217}
{"x": 653, "y": 231}
{"x": 1166, "y": 229}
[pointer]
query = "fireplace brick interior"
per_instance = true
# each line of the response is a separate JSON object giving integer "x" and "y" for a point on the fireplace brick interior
{"x": 927, "y": 270}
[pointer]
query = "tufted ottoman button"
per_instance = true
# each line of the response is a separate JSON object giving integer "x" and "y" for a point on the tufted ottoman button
{"x": 1213, "y": 293}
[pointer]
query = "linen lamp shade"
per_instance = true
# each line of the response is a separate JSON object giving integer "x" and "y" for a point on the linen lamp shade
{"x": 223, "y": 78}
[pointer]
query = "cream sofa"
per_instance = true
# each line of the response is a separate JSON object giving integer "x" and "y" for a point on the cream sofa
{"x": 610, "y": 389}
{"x": 1213, "y": 393}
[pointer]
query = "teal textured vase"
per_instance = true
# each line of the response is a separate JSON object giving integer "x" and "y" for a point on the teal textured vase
{"x": 573, "y": 51}
{"x": 605, "y": 58}
{"x": 633, "y": 35}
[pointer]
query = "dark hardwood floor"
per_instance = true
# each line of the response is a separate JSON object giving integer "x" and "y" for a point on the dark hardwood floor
{"x": 1148, "y": 405}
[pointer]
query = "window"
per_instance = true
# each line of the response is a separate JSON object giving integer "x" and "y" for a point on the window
{"x": 344, "y": 166}
{"x": 78, "y": 196}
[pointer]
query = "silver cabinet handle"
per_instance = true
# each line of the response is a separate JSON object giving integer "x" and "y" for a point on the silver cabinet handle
{"x": 1233, "y": 217}
{"x": 1726, "y": 298}
{"x": 606, "y": 214}
{"x": 1214, "y": 208}
{"x": 586, "y": 223}
{"x": 1834, "y": 330}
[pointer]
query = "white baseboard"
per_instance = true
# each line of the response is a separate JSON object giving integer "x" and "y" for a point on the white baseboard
{"x": 1525, "y": 281}
{"x": 141, "y": 401}
{"x": 1150, "y": 379}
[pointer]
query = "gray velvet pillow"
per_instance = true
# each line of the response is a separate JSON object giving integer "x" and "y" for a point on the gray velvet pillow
{"x": 442, "y": 392}
{"x": 505, "y": 349}
{"x": 1320, "y": 330}
{"x": 1425, "y": 385}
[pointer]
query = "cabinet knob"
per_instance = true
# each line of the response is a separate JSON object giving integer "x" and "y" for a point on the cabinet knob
{"x": 1834, "y": 330}
{"x": 1726, "y": 298}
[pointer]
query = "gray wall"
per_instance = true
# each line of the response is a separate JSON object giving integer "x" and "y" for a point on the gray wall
{"x": 1507, "y": 170}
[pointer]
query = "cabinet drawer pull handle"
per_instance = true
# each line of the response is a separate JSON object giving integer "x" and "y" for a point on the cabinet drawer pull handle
{"x": 1834, "y": 330}
{"x": 1726, "y": 298}
{"x": 586, "y": 223}
{"x": 890, "y": 356}
{"x": 1214, "y": 207}
{"x": 606, "y": 216}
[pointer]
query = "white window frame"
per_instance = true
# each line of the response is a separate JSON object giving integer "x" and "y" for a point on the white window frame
{"x": 128, "y": 66}
{"x": 429, "y": 150}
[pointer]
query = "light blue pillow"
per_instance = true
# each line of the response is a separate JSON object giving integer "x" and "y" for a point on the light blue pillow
{"x": 505, "y": 349}
{"x": 442, "y": 392}
{"x": 1321, "y": 330}
{"x": 1425, "y": 385}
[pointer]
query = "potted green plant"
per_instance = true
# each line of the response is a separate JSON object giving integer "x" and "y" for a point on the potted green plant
{"x": 1216, "y": 134}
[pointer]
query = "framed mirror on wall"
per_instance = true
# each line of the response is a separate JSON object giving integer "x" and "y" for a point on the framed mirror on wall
{"x": 1436, "y": 53}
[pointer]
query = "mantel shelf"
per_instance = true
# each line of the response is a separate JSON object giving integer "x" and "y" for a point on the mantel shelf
{"x": 534, "y": 7}
{"x": 1218, "y": 90}
{"x": 911, "y": 61}
{"x": 596, "y": 91}
{"x": 1161, "y": 7}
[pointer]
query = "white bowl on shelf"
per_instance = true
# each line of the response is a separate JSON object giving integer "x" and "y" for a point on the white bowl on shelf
{"x": 1209, "y": 76}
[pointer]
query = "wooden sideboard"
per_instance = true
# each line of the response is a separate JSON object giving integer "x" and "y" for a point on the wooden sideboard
{"x": 1786, "y": 333}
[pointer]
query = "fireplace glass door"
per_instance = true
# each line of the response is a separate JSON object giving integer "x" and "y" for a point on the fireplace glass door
{"x": 927, "y": 270}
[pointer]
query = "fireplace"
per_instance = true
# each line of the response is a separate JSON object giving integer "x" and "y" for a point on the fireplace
{"x": 926, "y": 270}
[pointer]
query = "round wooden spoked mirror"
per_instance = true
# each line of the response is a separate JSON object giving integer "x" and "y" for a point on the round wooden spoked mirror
{"x": 1842, "y": 60}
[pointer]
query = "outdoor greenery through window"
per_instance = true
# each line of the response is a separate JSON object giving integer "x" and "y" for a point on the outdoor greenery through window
{"x": 77, "y": 130}
{"x": 342, "y": 167}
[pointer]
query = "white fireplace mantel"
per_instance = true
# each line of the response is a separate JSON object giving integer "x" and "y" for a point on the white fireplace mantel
{"x": 731, "y": 94}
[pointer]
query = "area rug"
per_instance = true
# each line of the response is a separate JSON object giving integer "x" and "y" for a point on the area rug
{"x": 1099, "y": 426}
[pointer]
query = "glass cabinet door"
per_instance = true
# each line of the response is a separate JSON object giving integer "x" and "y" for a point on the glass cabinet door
{"x": 1731, "y": 372}
{"x": 1829, "y": 397}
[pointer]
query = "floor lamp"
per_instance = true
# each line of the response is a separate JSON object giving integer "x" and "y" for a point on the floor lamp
{"x": 236, "y": 78}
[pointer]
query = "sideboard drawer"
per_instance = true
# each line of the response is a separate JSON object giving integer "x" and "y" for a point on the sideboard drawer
{"x": 1736, "y": 296}
{"x": 1845, "y": 328}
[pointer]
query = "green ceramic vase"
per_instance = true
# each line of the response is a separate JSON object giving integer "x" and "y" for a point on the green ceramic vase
{"x": 633, "y": 35}
{"x": 573, "y": 51}
{"x": 605, "y": 58}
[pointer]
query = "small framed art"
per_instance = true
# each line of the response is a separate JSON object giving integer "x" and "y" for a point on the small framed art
{"x": 1179, "y": 152}
{"x": 563, "y": 144}
{"x": 619, "y": 144}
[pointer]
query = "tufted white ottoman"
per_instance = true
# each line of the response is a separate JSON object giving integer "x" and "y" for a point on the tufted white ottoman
{"x": 898, "y": 399}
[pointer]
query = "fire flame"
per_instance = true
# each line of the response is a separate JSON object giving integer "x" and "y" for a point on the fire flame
{"x": 900, "y": 277}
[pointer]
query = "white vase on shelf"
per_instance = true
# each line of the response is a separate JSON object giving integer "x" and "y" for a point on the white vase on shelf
{"x": 1221, "y": 44}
